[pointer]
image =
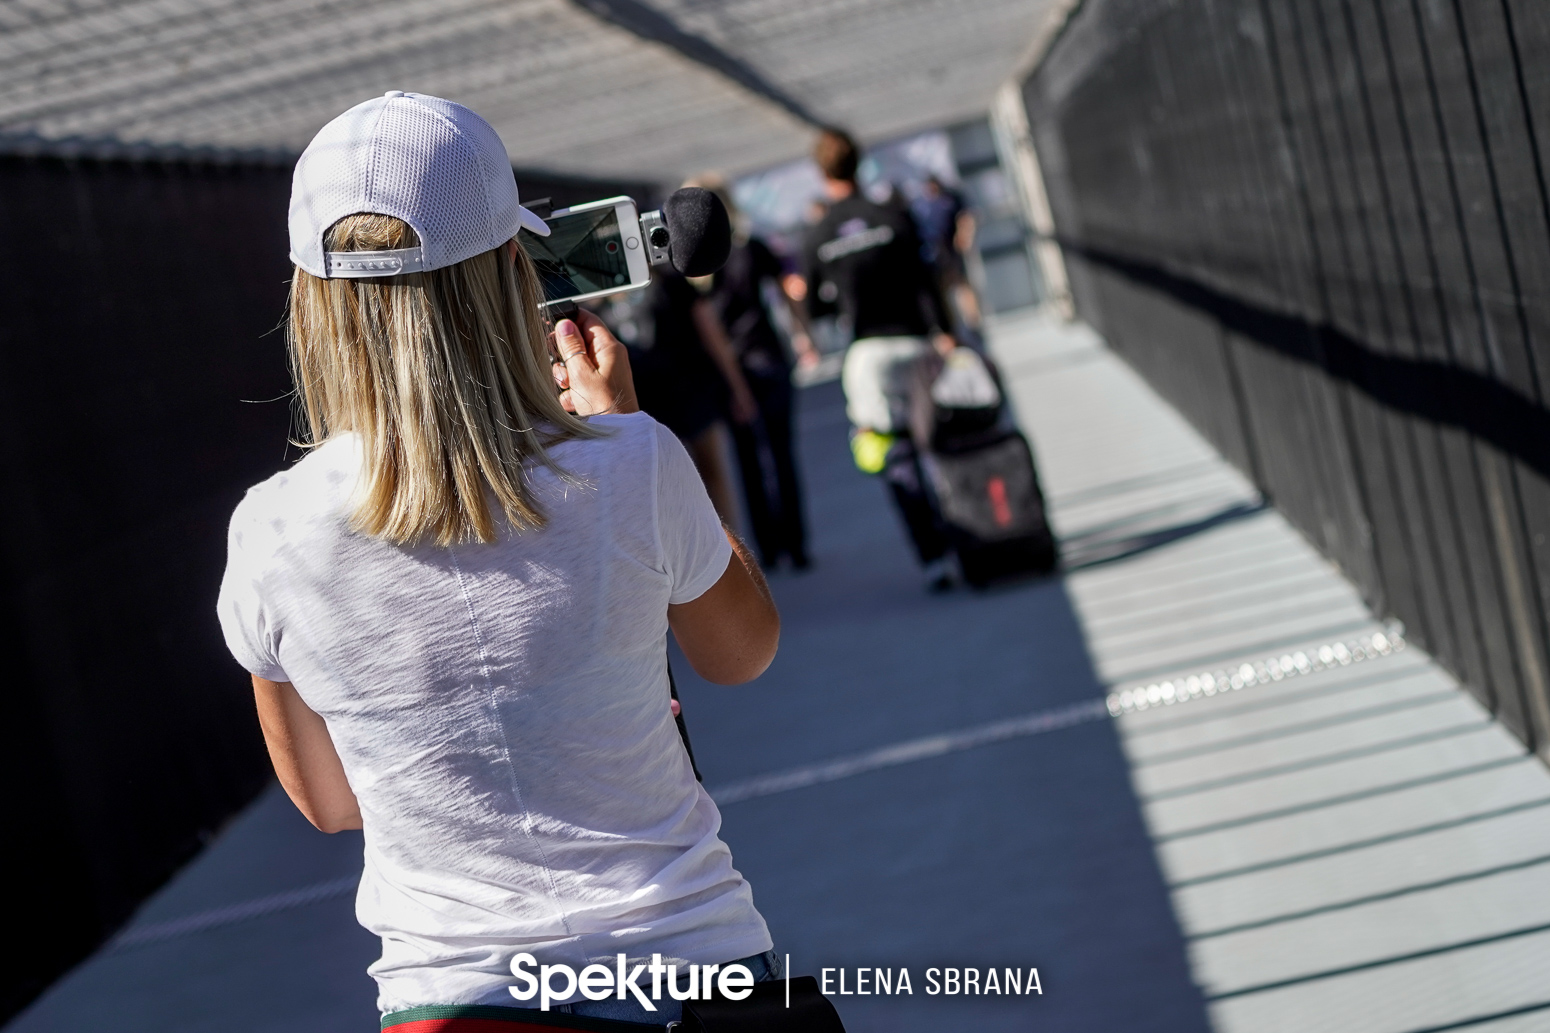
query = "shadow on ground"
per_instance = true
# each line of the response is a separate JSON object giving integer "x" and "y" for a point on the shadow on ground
{"x": 1120, "y": 541}
{"x": 293, "y": 970}
{"x": 1028, "y": 853}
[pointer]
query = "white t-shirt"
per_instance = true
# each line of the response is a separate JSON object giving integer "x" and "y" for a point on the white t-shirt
{"x": 502, "y": 714}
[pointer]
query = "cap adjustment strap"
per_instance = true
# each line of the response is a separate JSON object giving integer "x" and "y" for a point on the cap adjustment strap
{"x": 360, "y": 265}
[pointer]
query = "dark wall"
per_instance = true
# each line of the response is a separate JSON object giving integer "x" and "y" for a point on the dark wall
{"x": 143, "y": 388}
{"x": 133, "y": 377}
{"x": 1322, "y": 230}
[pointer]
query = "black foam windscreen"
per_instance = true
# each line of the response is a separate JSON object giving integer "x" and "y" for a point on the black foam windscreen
{"x": 699, "y": 232}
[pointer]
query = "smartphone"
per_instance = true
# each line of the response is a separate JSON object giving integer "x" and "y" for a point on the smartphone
{"x": 592, "y": 250}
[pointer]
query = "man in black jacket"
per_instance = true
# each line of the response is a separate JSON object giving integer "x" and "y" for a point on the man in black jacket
{"x": 868, "y": 259}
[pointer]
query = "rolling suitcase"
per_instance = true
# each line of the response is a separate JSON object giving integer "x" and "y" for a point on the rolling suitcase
{"x": 983, "y": 478}
{"x": 993, "y": 511}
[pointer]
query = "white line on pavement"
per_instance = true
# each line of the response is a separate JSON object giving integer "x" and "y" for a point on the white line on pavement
{"x": 910, "y": 751}
{"x": 155, "y": 932}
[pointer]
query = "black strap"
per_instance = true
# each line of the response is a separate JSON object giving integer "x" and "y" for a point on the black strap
{"x": 683, "y": 729}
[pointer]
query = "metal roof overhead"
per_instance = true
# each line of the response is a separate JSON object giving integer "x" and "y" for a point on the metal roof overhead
{"x": 654, "y": 89}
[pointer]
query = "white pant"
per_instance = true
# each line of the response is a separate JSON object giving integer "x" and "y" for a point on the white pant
{"x": 877, "y": 377}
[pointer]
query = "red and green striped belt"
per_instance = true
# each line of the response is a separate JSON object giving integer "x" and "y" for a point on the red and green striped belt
{"x": 485, "y": 1018}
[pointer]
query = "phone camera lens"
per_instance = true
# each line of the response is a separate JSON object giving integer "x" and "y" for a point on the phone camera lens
{"x": 612, "y": 247}
{"x": 659, "y": 237}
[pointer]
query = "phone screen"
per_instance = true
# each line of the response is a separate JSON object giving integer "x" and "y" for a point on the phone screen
{"x": 583, "y": 253}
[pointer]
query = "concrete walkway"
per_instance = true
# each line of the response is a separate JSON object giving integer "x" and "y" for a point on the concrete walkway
{"x": 1351, "y": 844}
{"x": 1338, "y": 840}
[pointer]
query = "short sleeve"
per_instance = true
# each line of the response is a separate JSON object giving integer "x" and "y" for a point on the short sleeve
{"x": 244, "y": 620}
{"x": 695, "y": 550}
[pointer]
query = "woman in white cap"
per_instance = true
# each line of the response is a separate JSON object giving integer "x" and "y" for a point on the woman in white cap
{"x": 454, "y": 608}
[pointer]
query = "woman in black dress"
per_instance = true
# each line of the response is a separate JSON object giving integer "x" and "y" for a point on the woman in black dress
{"x": 771, "y": 487}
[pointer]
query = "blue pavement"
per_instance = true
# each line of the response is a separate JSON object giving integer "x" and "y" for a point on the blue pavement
{"x": 1030, "y": 851}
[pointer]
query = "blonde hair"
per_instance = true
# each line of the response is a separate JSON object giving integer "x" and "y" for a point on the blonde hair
{"x": 445, "y": 377}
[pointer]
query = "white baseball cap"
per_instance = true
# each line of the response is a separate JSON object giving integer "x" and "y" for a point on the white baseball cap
{"x": 430, "y": 162}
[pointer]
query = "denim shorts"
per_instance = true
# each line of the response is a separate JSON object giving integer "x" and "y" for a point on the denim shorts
{"x": 764, "y": 967}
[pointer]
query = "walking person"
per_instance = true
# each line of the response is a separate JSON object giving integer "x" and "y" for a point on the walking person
{"x": 688, "y": 379}
{"x": 454, "y": 608}
{"x": 947, "y": 232}
{"x": 868, "y": 257}
{"x": 772, "y": 490}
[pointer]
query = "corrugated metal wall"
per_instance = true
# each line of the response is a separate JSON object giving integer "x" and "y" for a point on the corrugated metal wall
{"x": 1322, "y": 230}
{"x": 143, "y": 388}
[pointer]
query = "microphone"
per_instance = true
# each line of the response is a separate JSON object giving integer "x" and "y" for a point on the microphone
{"x": 699, "y": 234}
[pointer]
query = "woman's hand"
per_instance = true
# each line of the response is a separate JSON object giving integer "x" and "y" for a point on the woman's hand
{"x": 744, "y": 409}
{"x": 593, "y": 368}
{"x": 807, "y": 352}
